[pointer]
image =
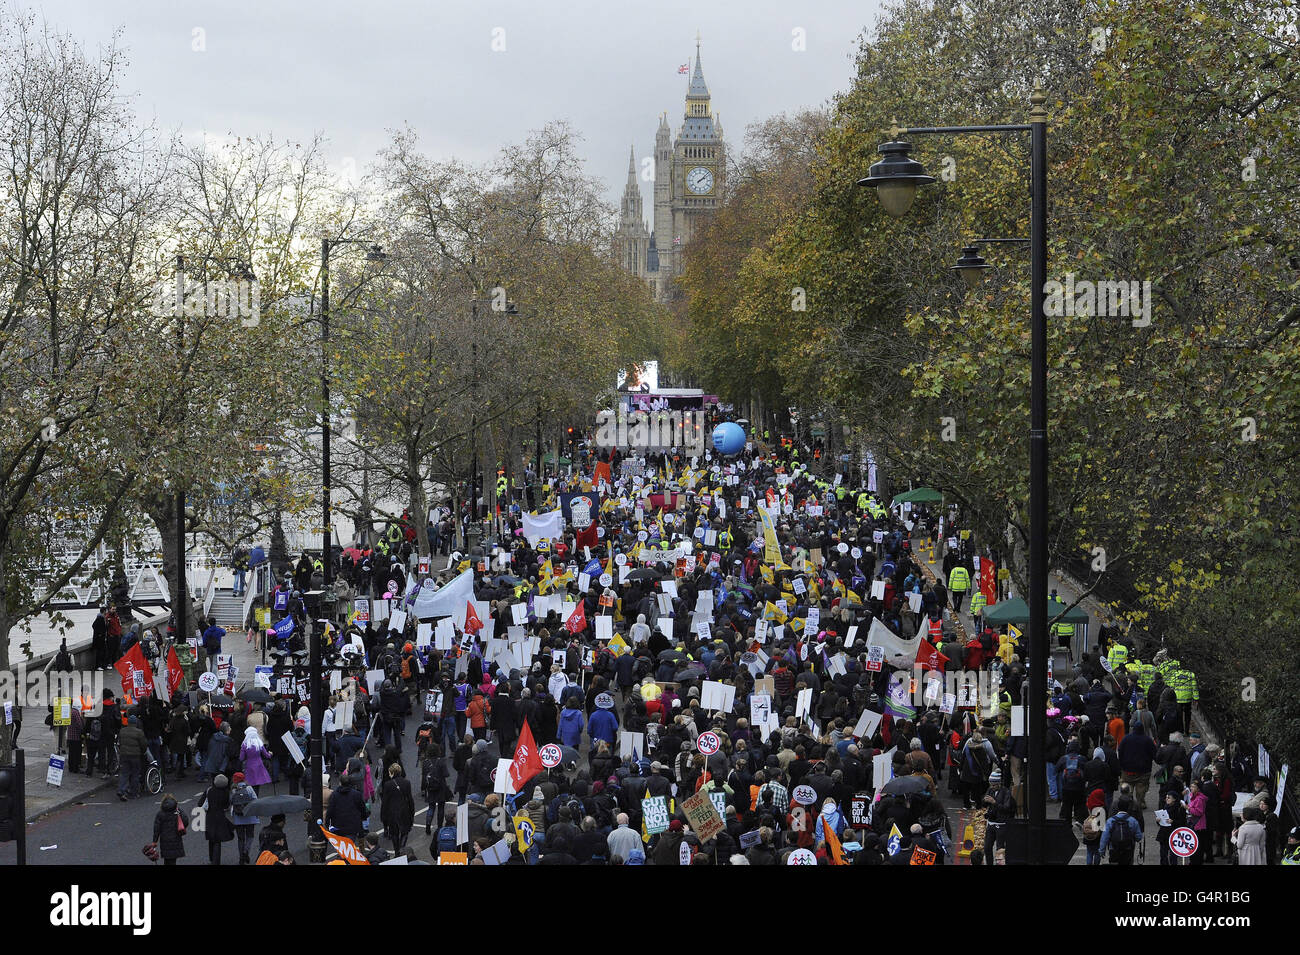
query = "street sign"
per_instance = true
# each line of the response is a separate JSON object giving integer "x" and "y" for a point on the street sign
{"x": 708, "y": 743}
{"x": 1183, "y": 842}
{"x": 551, "y": 755}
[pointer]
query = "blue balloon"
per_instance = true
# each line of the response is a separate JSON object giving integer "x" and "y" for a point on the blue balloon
{"x": 728, "y": 438}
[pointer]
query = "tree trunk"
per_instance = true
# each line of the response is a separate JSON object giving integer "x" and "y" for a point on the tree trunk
{"x": 119, "y": 588}
{"x": 279, "y": 556}
{"x": 418, "y": 506}
{"x": 162, "y": 511}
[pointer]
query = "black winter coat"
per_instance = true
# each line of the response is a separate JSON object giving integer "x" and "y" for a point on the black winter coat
{"x": 167, "y": 834}
{"x": 217, "y": 821}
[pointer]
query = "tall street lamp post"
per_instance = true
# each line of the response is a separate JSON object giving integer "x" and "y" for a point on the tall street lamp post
{"x": 374, "y": 255}
{"x": 896, "y": 178}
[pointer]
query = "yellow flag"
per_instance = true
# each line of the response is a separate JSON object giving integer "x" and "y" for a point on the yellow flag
{"x": 618, "y": 646}
{"x": 771, "y": 549}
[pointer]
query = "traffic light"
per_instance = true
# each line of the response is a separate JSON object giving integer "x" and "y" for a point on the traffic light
{"x": 10, "y": 804}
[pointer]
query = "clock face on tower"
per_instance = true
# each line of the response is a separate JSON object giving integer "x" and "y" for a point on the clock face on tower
{"x": 700, "y": 180}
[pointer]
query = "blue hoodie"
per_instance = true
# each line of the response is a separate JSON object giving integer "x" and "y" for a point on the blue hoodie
{"x": 602, "y": 725}
{"x": 571, "y": 727}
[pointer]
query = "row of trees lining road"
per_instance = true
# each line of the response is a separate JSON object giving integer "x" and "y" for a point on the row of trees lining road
{"x": 111, "y": 403}
{"x": 1172, "y": 159}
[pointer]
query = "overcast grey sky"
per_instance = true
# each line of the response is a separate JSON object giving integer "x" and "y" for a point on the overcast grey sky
{"x": 357, "y": 69}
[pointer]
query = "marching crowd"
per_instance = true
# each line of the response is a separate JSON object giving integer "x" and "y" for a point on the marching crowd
{"x": 734, "y": 660}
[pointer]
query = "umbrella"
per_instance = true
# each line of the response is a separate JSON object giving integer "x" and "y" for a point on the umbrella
{"x": 505, "y": 580}
{"x": 646, "y": 573}
{"x": 905, "y": 785}
{"x": 255, "y": 694}
{"x": 352, "y": 553}
{"x": 918, "y": 495}
{"x": 690, "y": 672}
{"x": 277, "y": 805}
{"x": 671, "y": 655}
{"x": 220, "y": 700}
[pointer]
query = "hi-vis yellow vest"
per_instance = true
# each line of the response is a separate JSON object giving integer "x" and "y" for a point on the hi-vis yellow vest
{"x": 959, "y": 579}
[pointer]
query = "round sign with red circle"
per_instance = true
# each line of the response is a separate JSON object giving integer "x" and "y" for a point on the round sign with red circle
{"x": 551, "y": 755}
{"x": 708, "y": 743}
{"x": 1183, "y": 842}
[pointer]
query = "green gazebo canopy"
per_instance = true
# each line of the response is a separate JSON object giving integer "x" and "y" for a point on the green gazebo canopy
{"x": 1016, "y": 611}
{"x": 918, "y": 495}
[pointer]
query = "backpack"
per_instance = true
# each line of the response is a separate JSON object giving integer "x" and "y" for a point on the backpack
{"x": 1091, "y": 831}
{"x": 1121, "y": 838}
{"x": 406, "y": 668}
{"x": 95, "y": 730}
{"x": 240, "y": 799}
{"x": 447, "y": 839}
{"x": 1073, "y": 777}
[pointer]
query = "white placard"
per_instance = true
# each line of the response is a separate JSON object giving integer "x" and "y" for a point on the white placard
{"x": 584, "y": 582}
{"x": 803, "y": 702}
{"x": 851, "y": 636}
{"x": 865, "y": 728}
{"x": 705, "y": 631}
{"x": 343, "y": 714}
{"x": 1017, "y": 720}
{"x": 882, "y": 768}
{"x": 669, "y": 587}
{"x": 294, "y": 749}
{"x": 718, "y": 696}
{"x": 519, "y": 613}
{"x": 627, "y": 742}
{"x": 444, "y": 634}
{"x": 878, "y": 589}
{"x": 374, "y": 680}
{"x": 914, "y": 602}
{"x": 398, "y": 621}
{"x": 423, "y": 634}
{"x": 502, "y": 783}
{"x": 604, "y": 627}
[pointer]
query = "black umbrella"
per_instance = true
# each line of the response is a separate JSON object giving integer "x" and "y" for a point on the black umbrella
{"x": 690, "y": 672}
{"x": 255, "y": 694}
{"x": 219, "y": 700}
{"x": 646, "y": 573}
{"x": 277, "y": 805}
{"x": 903, "y": 785}
{"x": 505, "y": 579}
{"x": 671, "y": 655}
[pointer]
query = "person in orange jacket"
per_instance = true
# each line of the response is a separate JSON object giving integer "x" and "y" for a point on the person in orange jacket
{"x": 477, "y": 713}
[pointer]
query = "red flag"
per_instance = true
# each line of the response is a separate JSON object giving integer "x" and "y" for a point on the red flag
{"x": 527, "y": 762}
{"x": 602, "y": 473}
{"x": 137, "y": 678}
{"x": 175, "y": 673}
{"x": 929, "y": 657}
{"x": 587, "y": 537}
{"x": 472, "y": 623}
{"x": 989, "y": 580}
{"x": 577, "y": 621}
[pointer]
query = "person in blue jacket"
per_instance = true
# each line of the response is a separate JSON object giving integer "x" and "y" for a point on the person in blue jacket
{"x": 571, "y": 723}
{"x": 603, "y": 725}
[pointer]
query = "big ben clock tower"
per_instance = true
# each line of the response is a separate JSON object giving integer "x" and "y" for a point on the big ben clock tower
{"x": 688, "y": 190}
